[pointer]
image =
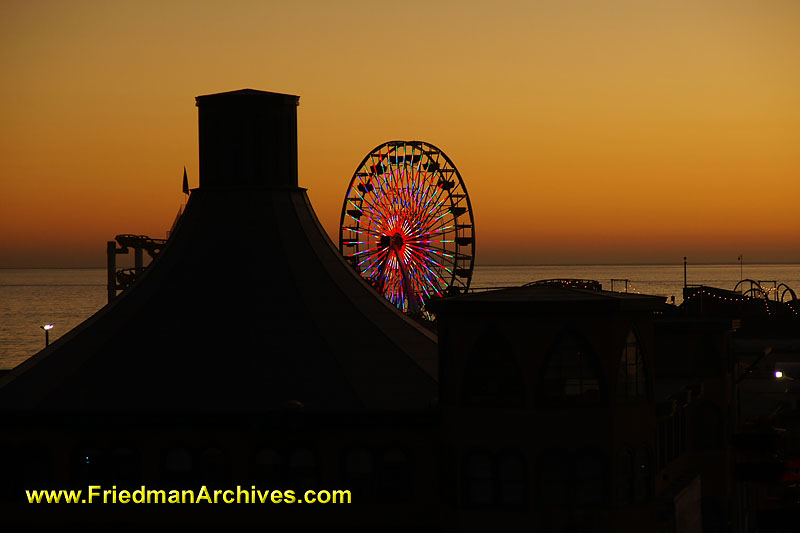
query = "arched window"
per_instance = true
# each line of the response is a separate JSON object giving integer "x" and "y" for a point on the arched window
{"x": 573, "y": 480}
{"x": 631, "y": 376}
{"x": 214, "y": 466}
{"x": 268, "y": 467}
{"x": 554, "y": 478}
{"x": 492, "y": 377}
{"x": 707, "y": 359}
{"x": 125, "y": 466}
{"x": 302, "y": 468}
{"x": 590, "y": 477}
{"x": 625, "y": 478}
{"x": 669, "y": 438}
{"x": 495, "y": 479}
{"x": 571, "y": 373}
{"x": 714, "y": 515}
{"x": 479, "y": 479}
{"x": 179, "y": 466}
{"x": 707, "y": 426}
{"x": 35, "y": 465}
{"x": 359, "y": 473}
{"x": 9, "y": 476}
{"x": 643, "y": 475}
{"x": 681, "y": 423}
{"x": 511, "y": 479}
{"x": 396, "y": 476}
{"x": 661, "y": 443}
{"x": 88, "y": 465}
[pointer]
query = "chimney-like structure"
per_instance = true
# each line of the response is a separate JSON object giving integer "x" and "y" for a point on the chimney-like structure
{"x": 248, "y": 138}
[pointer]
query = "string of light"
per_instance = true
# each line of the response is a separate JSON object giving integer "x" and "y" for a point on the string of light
{"x": 737, "y": 299}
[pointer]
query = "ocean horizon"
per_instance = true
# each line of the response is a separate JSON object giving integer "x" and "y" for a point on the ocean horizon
{"x": 65, "y": 297}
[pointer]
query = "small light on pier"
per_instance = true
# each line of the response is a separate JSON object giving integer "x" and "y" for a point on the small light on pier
{"x": 47, "y": 328}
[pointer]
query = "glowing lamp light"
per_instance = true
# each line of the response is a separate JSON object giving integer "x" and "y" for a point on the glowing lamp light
{"x": 778, "y": 374}
{"x": 46, "y": 328}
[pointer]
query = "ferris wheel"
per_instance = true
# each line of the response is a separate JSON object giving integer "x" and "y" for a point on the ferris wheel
{"x": 406, "y": 225}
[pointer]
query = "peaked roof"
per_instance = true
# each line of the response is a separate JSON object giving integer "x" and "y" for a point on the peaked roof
{"x": 250, "y": 94}
{"x": 249, "y": 307}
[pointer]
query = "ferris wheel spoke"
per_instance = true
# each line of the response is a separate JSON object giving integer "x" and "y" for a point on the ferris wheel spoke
{"x": 419, "y": 224}
{"x": 396, "y": 176}
{"x": 427, "y": 284}
{"x": 438, "y": 260}
{"x": 431, "y": 265}
{"x": 431, "y": 212}
{"x": 433, "y": 249}
{"x": 415, "y": 177}
{"x": 440, "y": 221}
{"x": 384, "y": 181}
{"x": 411, "y": 182}
{"x": 429, "y": 206}
{"x": 401, "y": 181}
{"x": 430, "y": 222}
{"x": 376, "y": 207}
{"x": 363, "y": 229}
{"x": 443, "y": 230}
{"x": 420, "y": 177}
{"x": 373, "y": 215}
{"x": 420, "y": 287}
{"x": 442, "y": 205}
{"x": 435, "y": 262}
{"x": 430, "y": 189}
{"x": 378, "y": 271}
{"x": 375, "y": 260}
{"x": 426, "y": 271}
{"x": 364, "y": 198}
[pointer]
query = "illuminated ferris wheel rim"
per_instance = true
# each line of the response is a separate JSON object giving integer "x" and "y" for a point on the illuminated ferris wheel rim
{"x": 405, "y": 195}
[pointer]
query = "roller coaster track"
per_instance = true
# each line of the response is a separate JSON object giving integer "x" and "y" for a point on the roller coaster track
{"x": 121, "y": 279}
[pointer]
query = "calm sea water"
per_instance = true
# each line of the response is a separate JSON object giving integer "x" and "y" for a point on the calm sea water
{"x": 66, "y": 297}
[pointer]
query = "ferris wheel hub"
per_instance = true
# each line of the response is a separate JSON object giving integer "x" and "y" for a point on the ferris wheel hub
{"x": 397, "y": 241}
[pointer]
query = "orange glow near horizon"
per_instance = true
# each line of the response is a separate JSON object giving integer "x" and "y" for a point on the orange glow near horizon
{"x": 632, "y": 132}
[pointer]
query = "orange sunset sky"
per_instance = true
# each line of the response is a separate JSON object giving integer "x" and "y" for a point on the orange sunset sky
{"x": 585, "y": 131}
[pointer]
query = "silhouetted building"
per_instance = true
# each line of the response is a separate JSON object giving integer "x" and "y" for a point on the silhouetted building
{"x": 745, "y": 348}
{"x": 548, "y": 414}
{"x": 248, "y": 351}
{"x": 697, "y": 417}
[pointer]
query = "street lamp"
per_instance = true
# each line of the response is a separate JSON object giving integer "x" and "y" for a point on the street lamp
{"x": 741, "y": 269}
{"x": 47, "y": 328}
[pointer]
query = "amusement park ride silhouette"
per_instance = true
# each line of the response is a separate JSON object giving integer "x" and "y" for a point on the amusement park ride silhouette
{"x": 407, "y": 225}
{"x": 780, "y": 292}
